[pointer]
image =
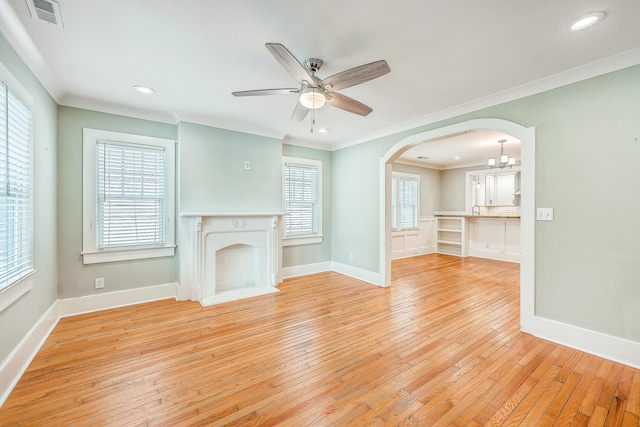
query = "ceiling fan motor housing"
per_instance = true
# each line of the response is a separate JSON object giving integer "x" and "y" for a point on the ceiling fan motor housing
{"x": 313, "y": 64}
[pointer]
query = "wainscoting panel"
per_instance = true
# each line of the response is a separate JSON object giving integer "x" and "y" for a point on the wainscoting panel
{"x": 414, "y": 242}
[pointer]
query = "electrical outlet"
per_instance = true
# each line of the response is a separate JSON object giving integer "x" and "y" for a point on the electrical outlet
{"x": 350, "y": 257}
{"x": 99, "y": 283}
{"x": 247, "y": 165}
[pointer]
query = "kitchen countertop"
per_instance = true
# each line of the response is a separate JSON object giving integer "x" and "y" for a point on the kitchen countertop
{"x": 466, "y": 215}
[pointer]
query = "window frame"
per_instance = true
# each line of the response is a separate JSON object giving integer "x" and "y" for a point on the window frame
{"x": 316, "y": 237}
{"x": 396, "y": 215}
{"x": 90, "y": 252}
{"x": 15, "y": 290}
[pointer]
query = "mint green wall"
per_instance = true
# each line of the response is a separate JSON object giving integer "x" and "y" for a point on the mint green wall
{"x": 212, "y": 173}
{"x": 18, "y": 318}
{"x": 587, "y": 150}
{"x": 76, "y": 279}
{"x": 452, "y": 192}
{"x": 430, "y": 187}
{"x": 311, "y": 254}
{"x": 356, "y": 205}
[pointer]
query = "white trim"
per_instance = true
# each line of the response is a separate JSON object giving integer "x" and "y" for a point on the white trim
{"x": 17, "y": 362}
{"x": 602, "y": 345}
{"x": 498, "y": 256}
{"x": 296, "y": 241}
{"x": 358, "y": 273}
{"x": 108, "y": 300}
{"x": 13, "y": 292}
{"x": 594, "y": 69}
{"x": 127, "y": 255}
{"x": 306, "y": 269}
{"x": 317, "y": 237}
{"x": 90, "y": 254}
{"x": 196, "y": 214}
{"x": 528, "y": 224}
{"x": 15, "y": 86}
{"x": 415, "y": 177}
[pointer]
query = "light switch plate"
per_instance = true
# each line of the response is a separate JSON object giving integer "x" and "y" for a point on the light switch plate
{"x": 544, "y": 214}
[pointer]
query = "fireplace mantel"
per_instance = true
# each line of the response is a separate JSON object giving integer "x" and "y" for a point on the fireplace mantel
{"x": 230, "y": 214}
{"x": 210, "y": 270}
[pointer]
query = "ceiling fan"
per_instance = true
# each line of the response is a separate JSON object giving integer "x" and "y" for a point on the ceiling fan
{"x": 314, "y": 92}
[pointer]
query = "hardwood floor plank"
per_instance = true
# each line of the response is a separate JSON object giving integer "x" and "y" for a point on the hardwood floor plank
{"x": 441, "y": 346}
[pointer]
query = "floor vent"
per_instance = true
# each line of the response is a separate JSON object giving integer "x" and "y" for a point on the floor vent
{"x": 46, "y": 10}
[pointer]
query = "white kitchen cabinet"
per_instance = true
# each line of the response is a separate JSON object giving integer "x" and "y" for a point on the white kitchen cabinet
{"x": 500, "y": 189}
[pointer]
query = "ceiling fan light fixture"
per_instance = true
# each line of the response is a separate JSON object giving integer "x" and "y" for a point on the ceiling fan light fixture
{"x": 312, "y": 98}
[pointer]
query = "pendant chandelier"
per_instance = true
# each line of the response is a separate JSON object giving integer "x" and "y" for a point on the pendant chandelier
{"x": 503, "y": 160}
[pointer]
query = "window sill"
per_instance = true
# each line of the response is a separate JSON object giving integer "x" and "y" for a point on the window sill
{"x": 12, "y": 293}
{"x": 396, "y": 230}
{"x": 294, "y": 241}
{"x": 127, "y": 255}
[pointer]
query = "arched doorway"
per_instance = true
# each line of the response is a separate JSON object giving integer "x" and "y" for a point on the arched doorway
{"x": 527, "y": 218}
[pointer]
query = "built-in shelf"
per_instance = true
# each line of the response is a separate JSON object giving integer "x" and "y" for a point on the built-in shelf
{"x": 450, "y": 242}
{"x": 451, "y": 236}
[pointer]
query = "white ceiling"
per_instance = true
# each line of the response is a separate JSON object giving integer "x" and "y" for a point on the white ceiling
{"x": 471, "y": 148}
{"x": 444, "y": 56}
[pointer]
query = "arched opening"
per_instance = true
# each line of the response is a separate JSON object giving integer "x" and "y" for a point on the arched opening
{"x": 527, "y": 217}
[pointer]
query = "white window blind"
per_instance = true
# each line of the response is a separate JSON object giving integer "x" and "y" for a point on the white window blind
{"x": 301, "y": 200}
{"x": 130, "y": 195}
{"x": 16, "y": 189}
{"x": 404, "y": 202}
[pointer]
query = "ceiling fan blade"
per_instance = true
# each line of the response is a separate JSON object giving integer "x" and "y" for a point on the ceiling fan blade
{"x": 290, "y": 63}
{"x": 299, "y": 113}
{"x": 356, "y": 75}
{"x": 348, "y": 104}
{"x": 262, "y": 92}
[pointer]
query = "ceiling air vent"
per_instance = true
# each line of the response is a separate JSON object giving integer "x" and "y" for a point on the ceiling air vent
{"x": 46, "y": 10}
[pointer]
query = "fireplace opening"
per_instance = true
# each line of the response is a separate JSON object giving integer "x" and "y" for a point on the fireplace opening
{"x": 237, "y": 266}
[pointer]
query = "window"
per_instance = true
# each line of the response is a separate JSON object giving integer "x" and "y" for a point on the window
{"x": 16, "y": 195}
{"x": 128, "y": 202}
{"x": 302, "y": 201}
{"x": 404, "y": 200}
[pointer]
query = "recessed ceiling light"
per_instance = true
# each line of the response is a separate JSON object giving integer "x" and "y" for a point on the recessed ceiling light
{"x": 323, "y": 130}
{"x": 144, "y": 89}
{"x": 457, "y": 157}
{"x": 587, "y": 20}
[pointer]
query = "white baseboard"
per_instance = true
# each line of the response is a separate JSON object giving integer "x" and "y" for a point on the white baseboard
{"x": 21, "y": 356}
{"x": 498, "y": 256}
{"x": 97, "y": 302}
{"x": 607, "y": 346}
{"x": 358, "y": 273}
{"x": 306, "y": 269}
{"x": 19, "y": 359}
{"x": 412, "y": 253}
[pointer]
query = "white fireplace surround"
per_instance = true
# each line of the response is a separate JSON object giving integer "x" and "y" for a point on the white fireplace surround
{"x": 229, "y": 256}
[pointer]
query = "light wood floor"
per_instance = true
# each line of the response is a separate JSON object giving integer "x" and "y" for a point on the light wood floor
{"x": 440, "y": 347}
